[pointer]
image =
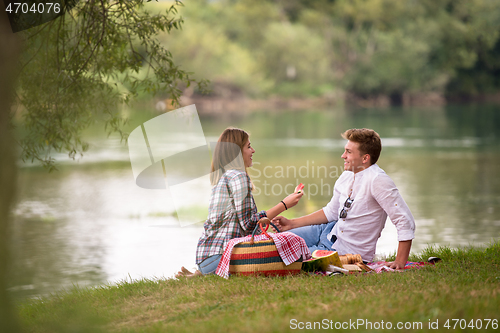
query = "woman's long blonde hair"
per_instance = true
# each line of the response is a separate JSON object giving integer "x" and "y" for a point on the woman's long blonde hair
{"x": 228, "y": 153}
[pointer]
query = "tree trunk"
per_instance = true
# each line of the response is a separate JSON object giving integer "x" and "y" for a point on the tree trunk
{"x": 8, "y": 60}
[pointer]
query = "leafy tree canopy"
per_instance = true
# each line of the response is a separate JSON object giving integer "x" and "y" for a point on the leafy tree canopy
{"x": 78, "y": 68}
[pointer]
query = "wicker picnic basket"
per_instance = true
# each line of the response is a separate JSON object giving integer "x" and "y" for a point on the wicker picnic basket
{"x": 260, "y": 258}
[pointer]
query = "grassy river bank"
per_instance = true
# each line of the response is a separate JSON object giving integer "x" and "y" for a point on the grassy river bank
{"x": 460, "y": 292}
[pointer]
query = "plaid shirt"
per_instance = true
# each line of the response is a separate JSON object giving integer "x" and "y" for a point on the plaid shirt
{"x": 232, "y": 214}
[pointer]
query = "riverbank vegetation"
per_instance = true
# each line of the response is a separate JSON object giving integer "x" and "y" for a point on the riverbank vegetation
{"x": 387, "y": 51}
{"x": 462, "y": 289}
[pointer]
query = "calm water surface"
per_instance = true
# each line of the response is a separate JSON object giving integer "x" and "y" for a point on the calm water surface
{"x": 89, "y": 224}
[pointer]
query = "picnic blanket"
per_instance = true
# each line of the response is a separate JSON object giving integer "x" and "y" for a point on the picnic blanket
{"x": 383, "y": 266}
{"x": 290, "y": 247}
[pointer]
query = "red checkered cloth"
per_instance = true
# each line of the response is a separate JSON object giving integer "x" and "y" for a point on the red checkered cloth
{"x": 290, "y": 248}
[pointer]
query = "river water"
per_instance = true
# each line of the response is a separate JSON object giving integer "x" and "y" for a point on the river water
{"x": 88, "y": 224}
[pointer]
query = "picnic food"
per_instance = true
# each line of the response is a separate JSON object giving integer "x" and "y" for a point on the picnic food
{"x": 299, "y": 188}
{"x": 349, "y": 258}
{"x": 353, "y": 268}
{"x": 364, "y": 267}
{"x": 333, "y": 256}
{"x": 328, "y": 261}
{"x": 320, "y": 261}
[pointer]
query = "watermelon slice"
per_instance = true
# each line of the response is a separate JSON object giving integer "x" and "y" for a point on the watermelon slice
{"x": 299, "y": 188}
{"x": 311, "y": 265}
{"x": 320, "y": 261}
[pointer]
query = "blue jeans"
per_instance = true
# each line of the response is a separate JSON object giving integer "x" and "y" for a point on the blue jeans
{"x": 315, "y": 236}
{"x": 209, "y": 265}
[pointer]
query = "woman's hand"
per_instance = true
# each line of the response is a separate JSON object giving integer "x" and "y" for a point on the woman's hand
{"x": 264, "y": 221}
{"x": 293, "y": 199}
{"x": 286, "y": 203}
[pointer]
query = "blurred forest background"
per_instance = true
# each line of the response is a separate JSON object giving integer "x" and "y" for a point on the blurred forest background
{"x": 261, "y": 54}
{"x": 380, "y": 52}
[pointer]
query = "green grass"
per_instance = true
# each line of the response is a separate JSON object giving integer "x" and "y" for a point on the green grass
{"x": 465, "y": 285}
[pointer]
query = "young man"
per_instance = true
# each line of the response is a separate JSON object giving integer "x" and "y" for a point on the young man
{"x": 363, "y": 197}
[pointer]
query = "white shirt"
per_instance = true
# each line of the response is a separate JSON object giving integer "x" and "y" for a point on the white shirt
{"x": 375, "y": 197}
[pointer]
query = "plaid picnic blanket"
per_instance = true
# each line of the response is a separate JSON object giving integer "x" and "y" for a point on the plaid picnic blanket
{"x": 382, "y": 266}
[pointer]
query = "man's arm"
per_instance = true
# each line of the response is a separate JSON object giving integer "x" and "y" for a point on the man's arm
{"x": 389, "y": 198}
{"x": 285, "y": 224}
{"x": 318, "y": 217}
{"x": 402, "y": 255}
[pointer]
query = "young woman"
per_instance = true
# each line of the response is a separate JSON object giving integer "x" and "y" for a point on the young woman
{"x": 232, "y": 211}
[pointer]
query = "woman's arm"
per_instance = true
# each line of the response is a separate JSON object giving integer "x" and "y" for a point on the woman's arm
{"x": 244, "y": 204}
{"x": 290, "y": 201}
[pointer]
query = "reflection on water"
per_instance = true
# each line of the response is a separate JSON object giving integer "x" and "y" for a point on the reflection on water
{"x": 89, "y": 224}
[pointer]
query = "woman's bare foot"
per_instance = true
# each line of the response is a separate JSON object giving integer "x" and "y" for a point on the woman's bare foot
{"x": 185, "y": 270}
{"x": 185, "y": 273}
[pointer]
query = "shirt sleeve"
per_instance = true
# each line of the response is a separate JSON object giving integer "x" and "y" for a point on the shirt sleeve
{"x": 245, "y": 208}
{"x": 388, "y": 197}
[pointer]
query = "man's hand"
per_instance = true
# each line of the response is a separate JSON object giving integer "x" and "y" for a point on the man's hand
{"x": 396, "y": 265}
{"x": 402, "y": 255}
{"x": 282, "y": 223}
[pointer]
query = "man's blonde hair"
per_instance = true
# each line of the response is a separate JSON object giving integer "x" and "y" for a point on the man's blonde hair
{"x": 369, "y": 141}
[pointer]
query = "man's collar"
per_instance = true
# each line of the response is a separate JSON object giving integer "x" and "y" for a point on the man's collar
{"x": 362, "y": 171}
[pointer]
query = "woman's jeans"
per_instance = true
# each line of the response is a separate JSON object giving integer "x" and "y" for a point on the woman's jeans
{"x": 315, "y": 236}
{"x": 209, "y": 265}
